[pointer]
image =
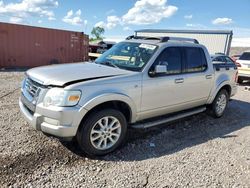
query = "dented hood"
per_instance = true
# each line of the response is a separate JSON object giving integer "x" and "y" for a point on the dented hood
{"x": 66, "y": 74}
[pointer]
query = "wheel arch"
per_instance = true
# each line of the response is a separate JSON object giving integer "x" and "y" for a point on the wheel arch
{"x": 224, "y": 85}
{"x": 120, "y": 102}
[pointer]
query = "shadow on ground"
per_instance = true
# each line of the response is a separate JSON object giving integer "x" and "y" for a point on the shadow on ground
{"x": 179, "y": 135}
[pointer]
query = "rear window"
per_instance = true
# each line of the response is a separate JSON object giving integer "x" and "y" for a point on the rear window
{"x": 220, "y": 59}
{"x": 245, "y": 56}
{"x": 195, "y": 60}
{"x": 229, "y": 60}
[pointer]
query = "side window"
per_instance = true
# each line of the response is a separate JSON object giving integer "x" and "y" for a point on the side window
{"x": 219, "y": 59}
{"x": 229, "y": 60}
{"x": 171, "y": 58}
{"x": 195, "y": 60}
{"x": 224, "y": 59}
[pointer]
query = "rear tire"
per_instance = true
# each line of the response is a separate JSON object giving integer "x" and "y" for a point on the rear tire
{"x": 219, "y": 104}
{"x": 102, "y": 132}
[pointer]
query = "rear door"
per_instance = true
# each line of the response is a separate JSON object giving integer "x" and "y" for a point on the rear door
{"x": 186, "y": 84}
{"x": 198, "y": 78}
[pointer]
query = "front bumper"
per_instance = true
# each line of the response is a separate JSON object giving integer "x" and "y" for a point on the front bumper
{"x": 61, "y": 122}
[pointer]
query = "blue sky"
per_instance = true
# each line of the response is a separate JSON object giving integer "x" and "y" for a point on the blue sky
{"x": 121, "y": 18}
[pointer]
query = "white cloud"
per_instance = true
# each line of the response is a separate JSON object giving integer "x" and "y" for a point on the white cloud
{"x": 189, "y": 25}
{"x": 16, "y": 20}
{"x": 144, "y": 12}
{"x": 112, "y": 21}
{"x": 39, "y": 21}
{"x": 51, "y": 18}
{"x": 78, "y": 13}
{"x": 196, "y": 25}
{"x": 188, "y": 17}
{"x": 127, "y": 29}
{"x": 148, "y": 12}
{"x": 100, "y": 24}
{"x": 28, "y": 8}
{"x": 111, "y": 11}
{"x": 222, "y": 21}
{"x": 73, "y": 19}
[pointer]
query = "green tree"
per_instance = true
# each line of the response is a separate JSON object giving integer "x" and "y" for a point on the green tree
{"x": 97, "y": 32}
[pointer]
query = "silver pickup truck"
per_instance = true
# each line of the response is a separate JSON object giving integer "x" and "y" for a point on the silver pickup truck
{"x": 140, "y": 82}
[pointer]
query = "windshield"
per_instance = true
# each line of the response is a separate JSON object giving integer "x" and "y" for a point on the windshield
{"x": 127, "y": 55}
{"x": 245, "y": 56}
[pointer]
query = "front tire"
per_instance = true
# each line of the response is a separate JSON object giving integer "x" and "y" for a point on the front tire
{"x": 102, "y": 132}
{"x": 220, "y": 103}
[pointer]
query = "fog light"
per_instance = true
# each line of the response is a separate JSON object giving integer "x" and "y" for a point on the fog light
{"x": 51, "y": 121}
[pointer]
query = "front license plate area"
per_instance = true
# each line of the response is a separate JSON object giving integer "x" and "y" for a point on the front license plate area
{"x": 28, "y": 104}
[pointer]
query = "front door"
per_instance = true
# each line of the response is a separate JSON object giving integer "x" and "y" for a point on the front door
{"x": 163, "y": 93}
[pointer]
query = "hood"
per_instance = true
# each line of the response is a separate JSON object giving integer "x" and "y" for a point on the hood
{"x": 66, "y": 74}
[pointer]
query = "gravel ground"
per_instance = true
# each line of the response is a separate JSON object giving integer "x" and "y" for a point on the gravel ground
{"x": 198, "y": 151}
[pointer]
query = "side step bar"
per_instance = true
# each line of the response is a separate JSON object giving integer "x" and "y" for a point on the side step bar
{"x": 168, "y": 119}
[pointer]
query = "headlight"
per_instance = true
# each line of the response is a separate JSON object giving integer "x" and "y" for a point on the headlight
{"x": 61, "y": 97}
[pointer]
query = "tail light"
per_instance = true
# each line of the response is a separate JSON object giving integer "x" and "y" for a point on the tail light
{"x": 237, "y": 64}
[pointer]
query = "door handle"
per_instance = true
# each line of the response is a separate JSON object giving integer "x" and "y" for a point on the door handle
{"x": 179, "y": 80}
{"x": 209, "y": 76}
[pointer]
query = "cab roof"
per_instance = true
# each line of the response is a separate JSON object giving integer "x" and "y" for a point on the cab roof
{"x": 163, "y": 40}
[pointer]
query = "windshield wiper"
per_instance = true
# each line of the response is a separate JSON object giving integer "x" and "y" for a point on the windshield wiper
{"x": 109, "y": 64}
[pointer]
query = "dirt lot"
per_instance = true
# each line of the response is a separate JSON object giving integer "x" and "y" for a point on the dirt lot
{"x": 238, "y": 50}
{"x": 196, "y": 152}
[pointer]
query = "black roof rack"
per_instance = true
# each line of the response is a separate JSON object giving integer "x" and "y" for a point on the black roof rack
{"x": 166, "y": 39}
{"x": 134, "y": 37}
{"x": 163, "y": 39}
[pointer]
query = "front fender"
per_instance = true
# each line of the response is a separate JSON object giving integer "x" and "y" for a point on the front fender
{"x": 107, "y": 97}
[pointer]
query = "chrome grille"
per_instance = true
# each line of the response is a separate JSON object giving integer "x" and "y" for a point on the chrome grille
{"x": 32, "y": 87}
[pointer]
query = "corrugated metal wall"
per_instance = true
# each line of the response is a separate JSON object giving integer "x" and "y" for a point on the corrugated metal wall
{"x": 26, "y": 46}
{"x": 215, "y": 43}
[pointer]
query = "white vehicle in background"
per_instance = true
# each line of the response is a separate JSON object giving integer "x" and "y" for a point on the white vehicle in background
{"x": 243, "y": 64}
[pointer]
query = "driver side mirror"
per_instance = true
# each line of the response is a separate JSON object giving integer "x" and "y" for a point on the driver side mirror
{"x": 158, "y": 69}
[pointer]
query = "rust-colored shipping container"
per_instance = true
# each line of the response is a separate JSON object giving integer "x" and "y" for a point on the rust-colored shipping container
{"x": 27, "y": 46}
